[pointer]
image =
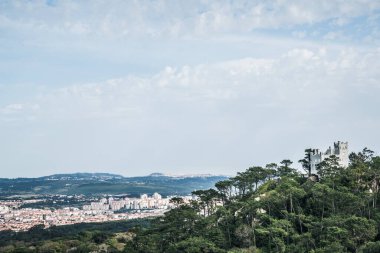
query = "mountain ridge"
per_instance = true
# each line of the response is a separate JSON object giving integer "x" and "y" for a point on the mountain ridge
{"x": 86, "y": 175}
{"x": 106, "y": 183}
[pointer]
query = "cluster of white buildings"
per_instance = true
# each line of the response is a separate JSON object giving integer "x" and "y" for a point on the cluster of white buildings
{"x": 144, "y": 202}
{"x": 26, "y": 218}
{"x": 12, "y": 217}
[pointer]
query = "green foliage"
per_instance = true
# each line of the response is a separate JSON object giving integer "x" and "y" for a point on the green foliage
{"x": 194, "y": 245}
{"x": 371, "y": 247}
{"x": 76, "y": 238}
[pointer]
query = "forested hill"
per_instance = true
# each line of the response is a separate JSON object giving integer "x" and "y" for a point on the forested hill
{"x": 276, "y": 209}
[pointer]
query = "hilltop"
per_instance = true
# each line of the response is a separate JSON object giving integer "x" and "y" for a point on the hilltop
{"x": 277, "y": 209}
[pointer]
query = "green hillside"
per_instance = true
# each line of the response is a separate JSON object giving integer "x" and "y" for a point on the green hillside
{"x": 276, "y": 209}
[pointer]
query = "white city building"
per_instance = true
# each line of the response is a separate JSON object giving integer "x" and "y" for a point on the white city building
{"x": 4, "y": 209}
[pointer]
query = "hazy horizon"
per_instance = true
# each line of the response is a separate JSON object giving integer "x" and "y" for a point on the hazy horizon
{"x": 185, "y": 172}
{"x": 127, "y": 176}
{"x": 182, "y": 87}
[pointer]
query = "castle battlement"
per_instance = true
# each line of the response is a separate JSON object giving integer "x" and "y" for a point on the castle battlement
{"x": 339, "y": 149}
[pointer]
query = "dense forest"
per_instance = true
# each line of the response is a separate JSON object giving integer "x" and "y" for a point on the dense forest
{"x": 263, "y": 209}
{"x": 277, "y": 209}
{"x": 77, "y": 238}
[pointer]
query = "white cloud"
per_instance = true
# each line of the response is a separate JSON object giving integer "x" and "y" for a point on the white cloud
{"x": 182, "y": 18}
{"x": 18, "y": 112}
{"x": 300, "y": 77}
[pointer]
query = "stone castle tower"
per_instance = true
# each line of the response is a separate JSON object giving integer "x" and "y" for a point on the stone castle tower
{"x": 340, "y": 150}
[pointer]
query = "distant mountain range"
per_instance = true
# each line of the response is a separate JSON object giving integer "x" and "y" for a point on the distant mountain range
{"x": 106, "y": 183}
{"x": 83, "y": 176}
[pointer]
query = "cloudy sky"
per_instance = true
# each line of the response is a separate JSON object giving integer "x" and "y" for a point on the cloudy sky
{"x": 134, "y": 87}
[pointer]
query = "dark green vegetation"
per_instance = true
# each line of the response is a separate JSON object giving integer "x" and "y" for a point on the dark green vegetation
{"x": 96, "y": 237}
{"x": 276, "y": 209}
{"x": 103, "y": 183}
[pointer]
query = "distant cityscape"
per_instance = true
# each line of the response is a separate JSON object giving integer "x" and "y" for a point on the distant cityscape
{"x": 13, "y": 216}
{"x": 18, "y": 212}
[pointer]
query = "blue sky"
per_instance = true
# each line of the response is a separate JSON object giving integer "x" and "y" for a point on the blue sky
{"x": 134, "y": 87}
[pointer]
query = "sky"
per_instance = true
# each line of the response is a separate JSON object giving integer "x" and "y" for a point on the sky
{"x": 184, "y": 87}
